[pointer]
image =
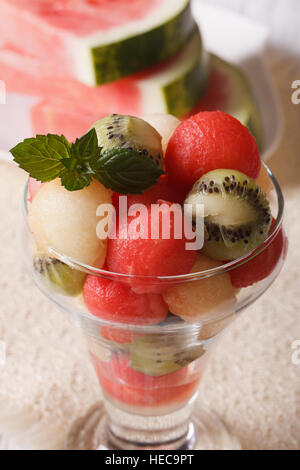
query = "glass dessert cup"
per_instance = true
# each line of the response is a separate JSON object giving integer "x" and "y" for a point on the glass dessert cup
{"x": 150, "y": 374}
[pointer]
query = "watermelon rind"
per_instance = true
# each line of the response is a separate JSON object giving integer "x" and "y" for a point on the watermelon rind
{"x": 140, "y": 47}
{"x": 176, "y": 89}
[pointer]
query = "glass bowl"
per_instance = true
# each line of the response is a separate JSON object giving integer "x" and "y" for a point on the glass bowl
{"x": 150, "y": 374}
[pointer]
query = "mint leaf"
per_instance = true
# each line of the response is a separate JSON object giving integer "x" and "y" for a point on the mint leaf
{"x": 84, "y": 150}
{"x": 47, "y": 157}
{"x": 74, "y": 181}
{"x": 41, "y": 156}
{"x": 70, "y": 163}
{"x": 87, "y": 147}
{"x": 126, "y": 171}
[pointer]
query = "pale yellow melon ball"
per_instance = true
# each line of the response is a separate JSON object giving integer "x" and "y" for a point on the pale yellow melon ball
{"x": 194, "y": 301}
{"x": 165, "y": 124}
{"x": 67, "y": 222}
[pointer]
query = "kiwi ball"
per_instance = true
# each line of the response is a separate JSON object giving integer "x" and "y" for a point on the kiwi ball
{"x": 129, "y": 132}
{"x": 157, "y": 355}
{"x": 59, "y": 276}
{"x": 237, "y": 214}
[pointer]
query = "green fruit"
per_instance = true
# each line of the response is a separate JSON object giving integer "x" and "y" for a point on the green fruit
{"x": 132, "y": 133}
{"x": 60, "y": 277}
{"x": 237, "y": 213}
{"x": 158, "y": 355}
{"x": 238, "y": 99}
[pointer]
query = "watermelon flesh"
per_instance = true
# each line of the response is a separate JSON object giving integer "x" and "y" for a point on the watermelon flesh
{"x": 26, "y": 75}
{"x": 137, "y": 390}
{"x": 230, "y": 91}
{"x": 59, "y": 117}
{"x": 70, "y": 107}
{"x": 97, "y": 41}
{"x": 174, "y": 86}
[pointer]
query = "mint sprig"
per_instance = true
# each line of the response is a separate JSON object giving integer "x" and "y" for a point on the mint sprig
{"x": 47, "y": 157}
{"x": 42, "y": 156}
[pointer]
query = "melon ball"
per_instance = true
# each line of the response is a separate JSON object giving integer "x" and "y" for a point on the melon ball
{"x": 138, "y": 250}
{"x": 165, "y": 124}
{"x": 116, "y": 302}
{"x": 66, "y": 221}
{"x": 210, "y": 141}
{"x": 162, "y": 190}
{"x": 194, "y": 301}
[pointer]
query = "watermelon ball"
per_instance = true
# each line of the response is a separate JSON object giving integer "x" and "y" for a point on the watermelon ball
{"x": 116, "y": 302}
{"x": 117, "y": 335}
{"x": 209, "y": 141}
{"x": 161, "y": 190}
{"x": 143, "y": 254}
{"x": 260, "y": 267}
{"x": 134, "y": 388}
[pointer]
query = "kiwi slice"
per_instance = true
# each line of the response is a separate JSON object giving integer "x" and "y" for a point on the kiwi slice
{"x": 60, "y": 276}
{"x": 158, "y": 355}
{"x": 237, "y": 215}
{"x": 128, "y": 132}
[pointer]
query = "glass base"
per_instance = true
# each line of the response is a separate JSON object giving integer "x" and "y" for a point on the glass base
{"x": 205, "y": 431}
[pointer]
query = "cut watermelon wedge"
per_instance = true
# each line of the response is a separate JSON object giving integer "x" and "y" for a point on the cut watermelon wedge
{"x": 97, "y": 42}
{"x": 173, "y": 88}
{"x": 230, "y": 91}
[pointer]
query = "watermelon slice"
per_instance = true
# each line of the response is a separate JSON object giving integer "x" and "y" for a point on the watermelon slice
{"x": 173, "y": 87}
{"x": 98, "y": 41}
{"x": 230, "y": 91}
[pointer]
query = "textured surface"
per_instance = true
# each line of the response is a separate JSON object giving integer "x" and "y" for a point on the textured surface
{"x": 251, "y": 382}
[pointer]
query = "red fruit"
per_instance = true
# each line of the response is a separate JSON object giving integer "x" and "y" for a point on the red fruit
{"x": 209, "y": 141}
{"x": 33, "y": 188}
{"x": 260, "y": 267}
{"x": 123, "y": 383}
{"x": 161, "y": 190}
{"x": 117, "y": 335}
{"x": 116, "y": 302}
{"x": 147, "y": 256}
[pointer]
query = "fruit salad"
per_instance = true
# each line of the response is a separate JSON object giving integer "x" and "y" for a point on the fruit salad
{"x": 159, "y": 231}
